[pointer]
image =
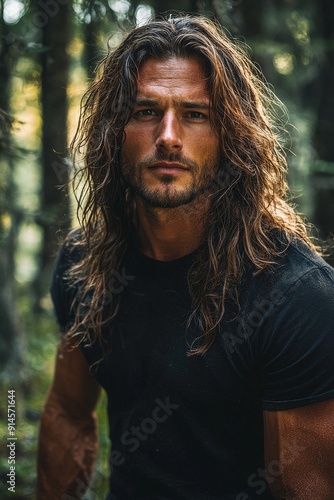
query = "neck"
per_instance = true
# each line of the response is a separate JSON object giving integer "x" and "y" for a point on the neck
{"x": 169, "y": 234}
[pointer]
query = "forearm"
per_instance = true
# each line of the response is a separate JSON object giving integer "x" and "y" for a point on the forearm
{"x": 67, "y": 451}
{"x": 311, "y": 487}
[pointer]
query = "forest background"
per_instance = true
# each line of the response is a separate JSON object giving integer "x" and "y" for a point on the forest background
{"x": 49, "y": 50}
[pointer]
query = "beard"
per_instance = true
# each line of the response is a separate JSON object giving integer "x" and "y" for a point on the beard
{"x": 169, "y": 194}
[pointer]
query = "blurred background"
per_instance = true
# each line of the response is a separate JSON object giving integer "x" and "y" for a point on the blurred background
{"x": 49, "y": 50}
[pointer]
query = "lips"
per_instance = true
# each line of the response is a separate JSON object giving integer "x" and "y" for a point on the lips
{"x": 168, "y": 167}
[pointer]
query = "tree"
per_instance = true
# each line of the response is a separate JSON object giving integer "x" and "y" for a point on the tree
{"x": 11, "y": 356}
{"x": 55, "y": 210}
{"x": 324, "y": 127}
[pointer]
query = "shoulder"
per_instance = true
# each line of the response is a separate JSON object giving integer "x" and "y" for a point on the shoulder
{"x": 304, "y": 270}
{"x": 294, "y": 339}
{"x": 296, "y": 264}
{"x": 65, "y": 285}
{"x": 300, "y": 259}
{"x": 73, "y": 245}
{"x": 70, "y": 253}
{"x": 297, "y": 290}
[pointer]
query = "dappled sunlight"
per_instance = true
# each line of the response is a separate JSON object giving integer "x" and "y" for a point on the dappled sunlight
{"x": 36, "y": 205}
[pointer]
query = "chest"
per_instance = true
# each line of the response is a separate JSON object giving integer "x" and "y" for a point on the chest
{"x": 150, "y": 358}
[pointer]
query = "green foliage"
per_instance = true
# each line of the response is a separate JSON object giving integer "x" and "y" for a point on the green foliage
{"x": 41, "y": 342}
{"x": 288, "y": 41}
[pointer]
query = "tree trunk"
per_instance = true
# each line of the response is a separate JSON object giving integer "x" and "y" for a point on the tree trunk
{"x": 55, "y": 213}
{"x": 91, "y": 30}
{"x": 11, "y": 339}
{"x": 323, "y": 178}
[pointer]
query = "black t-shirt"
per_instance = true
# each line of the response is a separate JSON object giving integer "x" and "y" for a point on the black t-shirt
{"x": 191, "y": 427}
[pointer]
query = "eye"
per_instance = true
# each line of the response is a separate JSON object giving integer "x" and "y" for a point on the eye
{"x": 196, "y": 115}
{"x": 143, "y": 114}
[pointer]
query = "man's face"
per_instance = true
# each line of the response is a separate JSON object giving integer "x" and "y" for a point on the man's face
{"x": 171, "y": 150}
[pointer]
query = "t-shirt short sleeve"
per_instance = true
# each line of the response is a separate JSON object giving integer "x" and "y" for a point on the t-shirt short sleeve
{"x": 63, "y": 292}
{"x": 297, "y": 344}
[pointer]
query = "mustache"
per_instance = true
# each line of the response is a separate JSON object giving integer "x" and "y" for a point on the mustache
{"x": 169, "y": 157}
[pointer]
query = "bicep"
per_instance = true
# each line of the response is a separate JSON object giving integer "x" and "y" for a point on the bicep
{"x": 299, "y": 451}
{"x": 74, "y": 387}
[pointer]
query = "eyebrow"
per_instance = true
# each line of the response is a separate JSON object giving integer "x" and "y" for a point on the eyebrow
{"x": 183, "y": 104}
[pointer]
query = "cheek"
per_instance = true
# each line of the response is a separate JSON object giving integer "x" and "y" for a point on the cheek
{"x": 135, "y": 141}
{"x": 130, "y": 146}
{"x": 205, "y": 147}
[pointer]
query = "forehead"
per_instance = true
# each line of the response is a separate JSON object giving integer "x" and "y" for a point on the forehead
{"x": 173, "y": 76}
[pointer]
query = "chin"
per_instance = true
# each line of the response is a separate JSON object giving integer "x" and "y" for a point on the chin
{"x": 171, "y": 200}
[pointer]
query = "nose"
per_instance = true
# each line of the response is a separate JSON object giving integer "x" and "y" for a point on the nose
{"x": 169, "y": 133}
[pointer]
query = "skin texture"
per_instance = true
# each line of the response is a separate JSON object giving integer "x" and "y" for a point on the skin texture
{"x": 68, "y": 439}
{"x": 299, "y": 451}
{"x": 170, "y": 154}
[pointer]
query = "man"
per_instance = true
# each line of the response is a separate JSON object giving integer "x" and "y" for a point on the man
{"x": 192, "y": 294}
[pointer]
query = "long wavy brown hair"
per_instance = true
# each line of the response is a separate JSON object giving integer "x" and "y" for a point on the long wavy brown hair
{"x": 248, "y": 198}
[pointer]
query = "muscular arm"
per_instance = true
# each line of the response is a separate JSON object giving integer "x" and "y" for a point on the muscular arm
{"x": 68, "y": 439}
{"x": 299, "y": 450}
